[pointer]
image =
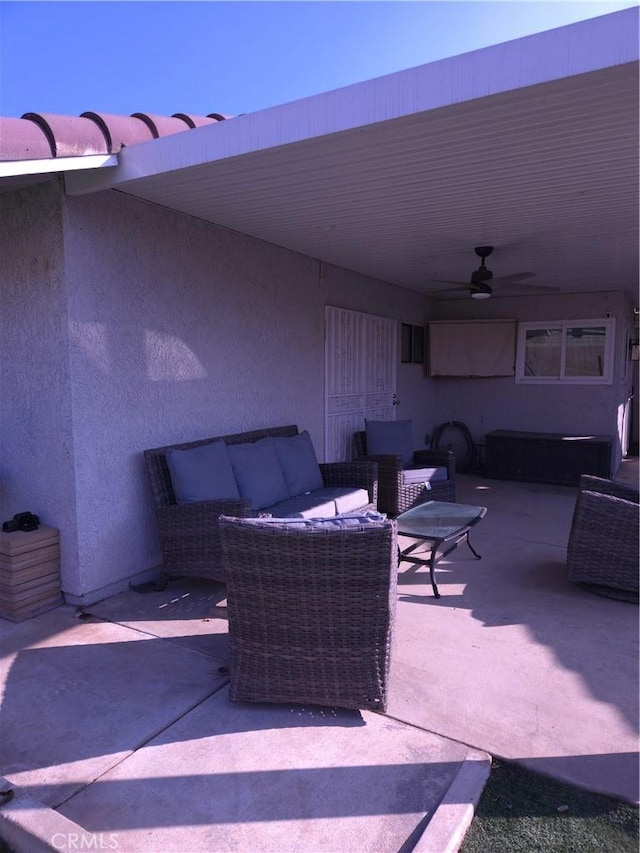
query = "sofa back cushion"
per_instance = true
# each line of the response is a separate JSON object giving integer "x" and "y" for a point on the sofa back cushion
{"x": 258, "y": 473}
{"x": 390, "y": 437}
{"x": 299, "y": 463}
{"x": 202, "y": 473}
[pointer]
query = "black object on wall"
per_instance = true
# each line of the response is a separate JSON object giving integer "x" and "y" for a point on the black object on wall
{"x": 455, "y": 436}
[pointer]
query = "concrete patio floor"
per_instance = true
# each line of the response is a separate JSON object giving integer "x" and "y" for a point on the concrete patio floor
{"x": 118, "y": 733}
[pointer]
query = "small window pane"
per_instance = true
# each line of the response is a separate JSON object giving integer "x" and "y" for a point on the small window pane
{"x": 585, "y": 351}
{"x": 406, "y": 343}
{"x": 418, "y": 344}
{"x": 543, "y": 351}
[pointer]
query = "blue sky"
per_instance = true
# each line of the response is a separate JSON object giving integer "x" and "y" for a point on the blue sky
{"x": 236, "y": 57}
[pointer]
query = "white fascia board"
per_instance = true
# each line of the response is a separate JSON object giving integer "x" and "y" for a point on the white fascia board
{"x": 11, "y": 168}
{"x": 568, "y": 51}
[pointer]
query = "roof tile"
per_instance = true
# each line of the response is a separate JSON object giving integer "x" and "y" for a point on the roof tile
{"x": 70, "y": 136}
{"x": 120, "y": 130}
{"x": 23, "y": 140}
{"x": 41, "y": 136}
{"x": 197, "y": 121}
{"x": 162, "y": 125}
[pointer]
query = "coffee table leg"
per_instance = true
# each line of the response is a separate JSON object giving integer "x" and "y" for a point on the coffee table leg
{"x": 472, "y": 549}
{"x": 404, "y": 555}
{"x": 432, "y": 567}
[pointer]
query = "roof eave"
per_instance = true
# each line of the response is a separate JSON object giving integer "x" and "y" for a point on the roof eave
{"x": 564, "y": 52}
{"x": 14, "y": 168}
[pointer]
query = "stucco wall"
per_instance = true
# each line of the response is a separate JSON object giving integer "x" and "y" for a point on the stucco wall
{"x": 178, "y": 331}
{"x": 36, "y": 424}
{"x": 488, "y": 404}
{"x": 155, "y": 328}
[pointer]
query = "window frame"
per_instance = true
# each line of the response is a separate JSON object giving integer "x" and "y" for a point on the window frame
{"x": 609, "y": 324}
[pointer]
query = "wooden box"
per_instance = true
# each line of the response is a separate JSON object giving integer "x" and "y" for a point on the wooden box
{"x": 29, "y": 573}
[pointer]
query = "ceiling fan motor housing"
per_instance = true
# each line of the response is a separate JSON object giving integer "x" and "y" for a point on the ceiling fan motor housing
{"x": 481, "y": 291}
{"x": 481, "y": 275}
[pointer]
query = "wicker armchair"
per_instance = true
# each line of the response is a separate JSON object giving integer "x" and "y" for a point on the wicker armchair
{"x": 311, "y": 611}
{"x": 602, "y": 552}
{"x": 189, "y": 533}
{"x": 395, "y": 494}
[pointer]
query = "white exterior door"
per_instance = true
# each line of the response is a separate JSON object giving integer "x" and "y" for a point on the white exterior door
{"x": 361, "y": 358}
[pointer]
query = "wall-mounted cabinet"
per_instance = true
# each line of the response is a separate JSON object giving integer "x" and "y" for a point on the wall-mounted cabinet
{"x": 472, "y": 348}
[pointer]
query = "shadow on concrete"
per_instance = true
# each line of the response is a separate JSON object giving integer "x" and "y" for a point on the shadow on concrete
{"x": 311, "y": 793}
{"x": 512, "y": 657}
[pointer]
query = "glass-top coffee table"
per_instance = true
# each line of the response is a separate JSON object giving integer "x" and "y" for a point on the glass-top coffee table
{"x": 443, "y": 526}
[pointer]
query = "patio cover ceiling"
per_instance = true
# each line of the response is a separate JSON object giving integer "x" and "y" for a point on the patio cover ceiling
{"x": 530, "y": 146}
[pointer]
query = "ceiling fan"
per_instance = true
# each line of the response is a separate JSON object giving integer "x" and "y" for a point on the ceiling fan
{"x": 479, "y": 286}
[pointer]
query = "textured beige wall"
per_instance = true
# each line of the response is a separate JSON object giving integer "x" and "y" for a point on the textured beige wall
{"x": 37, "y": 469}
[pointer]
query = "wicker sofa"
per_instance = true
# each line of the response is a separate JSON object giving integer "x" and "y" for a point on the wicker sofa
{"x": 189, "y": 532}
{"x": 602, "y": 551}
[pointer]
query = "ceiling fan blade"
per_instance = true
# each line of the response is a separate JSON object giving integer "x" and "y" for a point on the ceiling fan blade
{"x": 452, "y": 293}
{"x": 513, "y": 277}
{"x": 524, "y": 287}
{"x": 459, "y": 289}
{"x": 446, "y": 281}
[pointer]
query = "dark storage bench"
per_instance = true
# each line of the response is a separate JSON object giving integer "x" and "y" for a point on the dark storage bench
{"x": 546, "y": 457}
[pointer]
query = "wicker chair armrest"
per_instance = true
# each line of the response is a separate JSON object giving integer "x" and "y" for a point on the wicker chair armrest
{"x": 387, "y": 461}
{"x": 190, "y": 536}
{"x": 609, "y": 512}
{"x": 389, "y": 474}
{"x": 203, "y": 512}
{"x": 434, "y": 459}
{"x": 603, "y": 542}
{"x": 394, "y": 496}
{"x": 591, "y": 483}
{"x": 361, "y": 474}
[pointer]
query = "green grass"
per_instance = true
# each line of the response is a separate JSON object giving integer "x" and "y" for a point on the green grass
{"x": 522, "y": 812}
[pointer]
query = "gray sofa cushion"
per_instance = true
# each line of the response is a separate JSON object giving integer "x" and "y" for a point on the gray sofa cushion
{"x": 390, "y": 437}
{"x": 303, "y": 506}
{"x": 345, "y": 499}
{"x": 201, "y": 473}
{"x": 424, "y": 475}
{"x": 323, "y": 503}
{"x": 299, "y": 463}
{"x": 258, "y": 472}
